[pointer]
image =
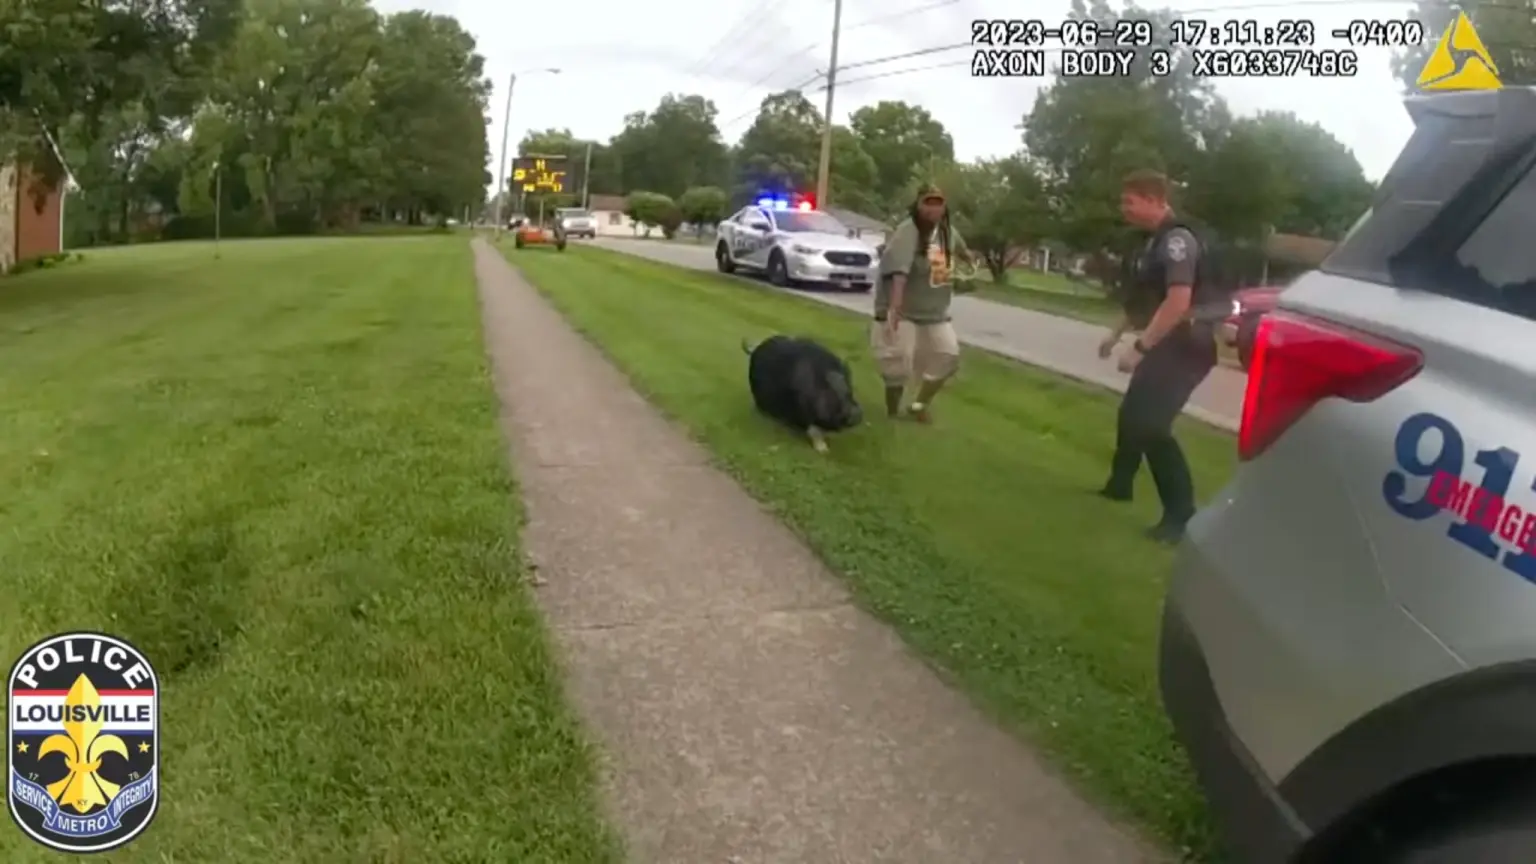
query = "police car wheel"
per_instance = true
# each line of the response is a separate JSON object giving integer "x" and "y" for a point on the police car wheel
{"x": 1452, "y": 829}
{"x": 778, "y": 269}
{"x": 723, "y": 261}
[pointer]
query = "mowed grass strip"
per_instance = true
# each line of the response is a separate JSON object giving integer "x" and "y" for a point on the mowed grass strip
{"x": 978, "y": 538}
{"x": 280, "y": 475}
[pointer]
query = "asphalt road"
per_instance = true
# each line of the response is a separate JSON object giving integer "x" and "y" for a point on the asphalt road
{"x": 1061, "y": 344}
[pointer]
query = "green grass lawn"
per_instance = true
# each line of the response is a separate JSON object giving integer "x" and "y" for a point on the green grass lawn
{"x": 280, "y": 475}
{"x": 977, "y": 538}
{"x": 1050, "y": 293}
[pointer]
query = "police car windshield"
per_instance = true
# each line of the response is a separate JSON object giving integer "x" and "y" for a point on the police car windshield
{"x": 808, "y": 222}
{"x": 573, "y": 213}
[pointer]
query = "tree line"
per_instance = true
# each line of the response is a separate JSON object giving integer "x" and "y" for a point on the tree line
{"x": 1246, "y": 177}
{"x": 305, "y": 115}
{"x": 299, "y": 115}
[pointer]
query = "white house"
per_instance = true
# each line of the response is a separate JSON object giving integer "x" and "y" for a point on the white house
{"x": 608, "y": 212}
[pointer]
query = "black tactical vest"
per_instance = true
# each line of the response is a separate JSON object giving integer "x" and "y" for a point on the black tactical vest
{"x": 1149, "y": 283}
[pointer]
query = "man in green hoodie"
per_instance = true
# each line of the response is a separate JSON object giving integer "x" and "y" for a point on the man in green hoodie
{"x": 912, "y": 337}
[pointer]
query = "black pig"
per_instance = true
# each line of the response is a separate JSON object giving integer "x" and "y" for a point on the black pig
{"x": 803, "y": 385}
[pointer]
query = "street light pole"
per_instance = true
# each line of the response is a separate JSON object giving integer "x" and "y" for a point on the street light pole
{"x": 501, "y": 172}
{"x": 586, "y": 177}
{"x": 501, "y": 167}
{"x": 824, "y": 169}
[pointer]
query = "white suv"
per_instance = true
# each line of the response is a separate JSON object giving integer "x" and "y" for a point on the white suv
{"x": 1349, "y": 639}
{"x": 575, "y": 222}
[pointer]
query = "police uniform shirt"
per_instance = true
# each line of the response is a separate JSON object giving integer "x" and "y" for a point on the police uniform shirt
{"x": 1171, "y": 257}
{"x": 1177, "y": 256}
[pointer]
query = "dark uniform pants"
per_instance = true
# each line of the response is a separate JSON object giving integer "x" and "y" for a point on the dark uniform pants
{"x": 1159, "y": 389}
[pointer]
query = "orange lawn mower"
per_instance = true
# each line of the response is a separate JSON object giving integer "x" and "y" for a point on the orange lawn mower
{"x": 529, "y": 232}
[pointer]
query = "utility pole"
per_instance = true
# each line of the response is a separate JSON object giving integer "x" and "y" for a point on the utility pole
{"x": 586, "y": 177}
{"x": 824, "y": 169}
{"x": 501, "y": 168}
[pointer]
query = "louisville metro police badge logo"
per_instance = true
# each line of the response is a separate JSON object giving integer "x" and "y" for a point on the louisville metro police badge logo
{"x": 83, "y": 725}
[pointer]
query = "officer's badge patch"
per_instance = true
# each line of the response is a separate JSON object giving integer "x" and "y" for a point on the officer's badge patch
{"x": 83, "y": 742}
{"x": 1176, "y": 248}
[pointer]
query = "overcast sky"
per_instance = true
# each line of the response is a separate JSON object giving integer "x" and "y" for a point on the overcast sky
{"x": 619, "y": 57}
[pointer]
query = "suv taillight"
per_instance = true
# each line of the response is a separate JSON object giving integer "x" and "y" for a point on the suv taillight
{"x": 1299, "y": 361}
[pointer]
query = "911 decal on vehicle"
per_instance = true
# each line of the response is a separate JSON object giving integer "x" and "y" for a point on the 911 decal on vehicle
{"x": 1488, "y": 523}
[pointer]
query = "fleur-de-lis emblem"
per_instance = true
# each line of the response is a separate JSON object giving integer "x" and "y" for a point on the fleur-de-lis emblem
{"x": 83, "y": 745}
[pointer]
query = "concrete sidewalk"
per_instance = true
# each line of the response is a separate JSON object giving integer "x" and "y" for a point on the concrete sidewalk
{"x": 1049, "y": 341}
{"x": 747, "y": 712}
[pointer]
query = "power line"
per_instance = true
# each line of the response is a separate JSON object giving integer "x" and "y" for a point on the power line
{"x": 761, "y": 37}
{"x": 939, "y": 49}
{"x": 743, "y": 24}
{"x": 1268, "y": 4}
{"x": 894, "y": 72}
{"x": 758, "y": 107}
{"x": 917, "y": 10}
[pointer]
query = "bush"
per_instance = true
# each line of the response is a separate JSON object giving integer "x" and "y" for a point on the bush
{"x": 669, "y": 219}
{"x": 45, "y": 262}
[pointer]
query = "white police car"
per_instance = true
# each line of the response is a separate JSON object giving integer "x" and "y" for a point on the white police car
{"x": 795, "y": 245}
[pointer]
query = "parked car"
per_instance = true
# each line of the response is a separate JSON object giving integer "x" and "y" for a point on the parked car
{"x": 575, "y": 222}
{"x": 1241, "y": 326}
{"x": 795, "y": 247}
{"x": 1349, "y": 638}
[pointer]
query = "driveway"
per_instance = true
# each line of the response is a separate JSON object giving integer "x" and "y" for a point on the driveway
{"x": 1061, "y": 344}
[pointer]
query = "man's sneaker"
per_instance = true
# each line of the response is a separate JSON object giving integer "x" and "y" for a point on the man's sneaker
{"x": 1111, "y": 494}
{"x": 1167, "y": 532}
{"x": 920, "y": 413}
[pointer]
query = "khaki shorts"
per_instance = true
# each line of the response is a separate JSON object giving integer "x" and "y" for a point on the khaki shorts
{"x": 928, "y": 352}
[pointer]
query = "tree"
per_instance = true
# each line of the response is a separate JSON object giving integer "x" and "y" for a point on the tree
{"x": 64, "y": 59}
{"x": 899, "y": 139}
{"x": 1239, "y": 187}
{"x": 854, "y": 176}
{"x": 999, "y": 206}
{"x": 314, "y": 112}
{"x": 1507, "y": 28}
{"x": 429, "y": 115}
{"x": 703, "y": 205}
{"x": 1277, "y": 171}
{"x": 655, "y": 210}
{"x": 1085, "y": 134}
{"x": 672, "y": 148}
{"x": 781, "y": 148}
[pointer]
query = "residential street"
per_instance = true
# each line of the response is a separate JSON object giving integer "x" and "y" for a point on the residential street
{"x": 1062, "y": 344}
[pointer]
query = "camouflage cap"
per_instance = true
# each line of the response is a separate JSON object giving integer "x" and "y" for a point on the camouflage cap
{"x": 929, "y": 190}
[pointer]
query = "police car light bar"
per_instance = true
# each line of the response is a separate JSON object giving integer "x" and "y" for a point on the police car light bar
{"x": 801, "y": 203}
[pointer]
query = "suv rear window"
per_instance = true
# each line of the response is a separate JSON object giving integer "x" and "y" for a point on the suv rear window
{"x": 1466, "y": 150}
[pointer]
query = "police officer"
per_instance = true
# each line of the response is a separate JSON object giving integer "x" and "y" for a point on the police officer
{"x": 1168, "y": 361}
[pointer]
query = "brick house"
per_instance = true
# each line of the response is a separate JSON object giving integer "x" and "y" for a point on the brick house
{"x": 31, "y": 216}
